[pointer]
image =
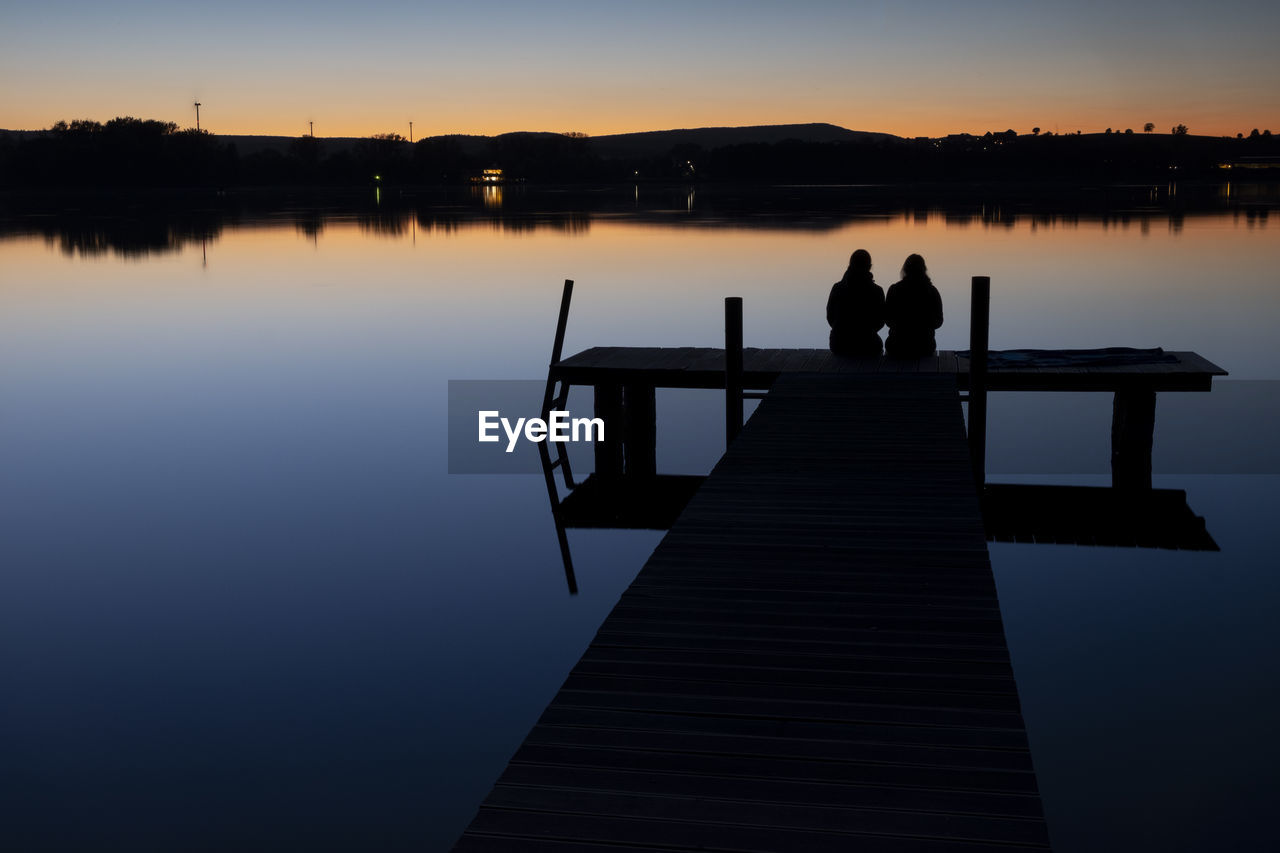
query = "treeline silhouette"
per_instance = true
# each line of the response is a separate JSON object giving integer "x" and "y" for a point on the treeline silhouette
{"x": 130, "y": 152}
{"x": 141, "y": 153}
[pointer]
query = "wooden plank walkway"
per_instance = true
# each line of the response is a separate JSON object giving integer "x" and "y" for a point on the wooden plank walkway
{"x": 812, "y": 659}
{"x": 703, "y": 367}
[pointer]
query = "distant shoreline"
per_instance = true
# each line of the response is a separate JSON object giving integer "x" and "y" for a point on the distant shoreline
{"x": 134, "y": 154}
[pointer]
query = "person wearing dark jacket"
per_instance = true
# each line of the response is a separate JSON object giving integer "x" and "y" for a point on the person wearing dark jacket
{"x": 913, "y": 310}
{"x": 855, "y": 309}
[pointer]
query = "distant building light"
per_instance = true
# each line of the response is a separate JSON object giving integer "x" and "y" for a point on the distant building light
{"x": 1263, "y": 162}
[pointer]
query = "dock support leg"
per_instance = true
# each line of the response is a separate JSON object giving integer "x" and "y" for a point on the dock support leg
{"x": 640, "y": 430}
{"x": 608, "y": 407}
{"x": 732, "y": 368}
{"x": 979, "y": 327}
{"x": 1133, "y": 423}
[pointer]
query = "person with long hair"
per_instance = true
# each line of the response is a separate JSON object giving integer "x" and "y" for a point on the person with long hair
{"x": 855, "y": 309}
{"x": 913, "y": 311}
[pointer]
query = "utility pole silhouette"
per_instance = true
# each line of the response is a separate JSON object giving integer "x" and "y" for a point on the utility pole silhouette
{"x": 197, "y": 115}
{"x": 411, "y": 131}
{"x": 312, "y": 125}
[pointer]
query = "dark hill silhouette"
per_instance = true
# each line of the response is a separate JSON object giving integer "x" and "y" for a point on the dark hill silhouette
{"x": 656, "y": 142}
{"x": 651, "y": 143}
{"x": 470, "y": 144}
{"x": 248, "y": 145}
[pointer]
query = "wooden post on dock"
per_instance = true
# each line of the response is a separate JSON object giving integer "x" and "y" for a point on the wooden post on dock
{"x": 979, "y": 327}
{"x": 640, "y": 430}
{"x": 609, "y": 453}
{"x": 732, "y": 368}
{"x": 1133, "y": 424}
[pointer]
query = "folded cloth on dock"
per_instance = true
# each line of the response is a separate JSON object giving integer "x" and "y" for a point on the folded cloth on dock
{"x": 1105, "y": 357}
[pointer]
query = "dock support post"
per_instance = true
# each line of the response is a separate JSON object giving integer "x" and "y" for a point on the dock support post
{"x": 1133, "y": 424}
{"x": 732, "y": 368}
{"x": 979, "y": 327}
{"x": 640, "y": 430}
{"x": 608, "y": 407}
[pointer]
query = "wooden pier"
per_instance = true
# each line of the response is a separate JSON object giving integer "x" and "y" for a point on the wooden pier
{"x": 812, "y": 659}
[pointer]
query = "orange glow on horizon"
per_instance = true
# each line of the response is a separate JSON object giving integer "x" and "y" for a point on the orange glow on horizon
{"x": 933, "y": 128}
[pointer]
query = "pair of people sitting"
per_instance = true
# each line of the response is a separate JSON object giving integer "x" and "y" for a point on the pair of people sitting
{"x": 858, "y": 309}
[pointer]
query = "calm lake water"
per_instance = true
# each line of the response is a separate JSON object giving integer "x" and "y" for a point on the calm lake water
{"x": 244, "y": 606}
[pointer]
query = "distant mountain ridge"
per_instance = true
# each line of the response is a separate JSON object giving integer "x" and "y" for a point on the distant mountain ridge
{"x": 615, "y": 145}
{"x": 648, "y": 143}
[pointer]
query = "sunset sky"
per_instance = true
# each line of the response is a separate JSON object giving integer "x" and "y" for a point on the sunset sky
{"x": 909, "y": 68}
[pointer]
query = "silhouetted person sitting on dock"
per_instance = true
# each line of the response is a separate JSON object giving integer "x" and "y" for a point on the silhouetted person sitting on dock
{"x": 855, "y": 309}
{"x": 913, "y": 309}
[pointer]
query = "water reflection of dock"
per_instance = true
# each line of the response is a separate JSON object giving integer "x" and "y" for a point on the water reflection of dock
{"x": 813, "y": 658}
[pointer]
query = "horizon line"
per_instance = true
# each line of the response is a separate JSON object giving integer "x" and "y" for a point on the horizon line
{"x": 1035, "y": 130}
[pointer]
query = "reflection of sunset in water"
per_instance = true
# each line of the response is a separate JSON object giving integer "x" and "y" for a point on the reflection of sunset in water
{"x": 1198, "y": 282}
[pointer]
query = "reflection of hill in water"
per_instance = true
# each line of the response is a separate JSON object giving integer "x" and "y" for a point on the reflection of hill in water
{"x": 136, "y": 227}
